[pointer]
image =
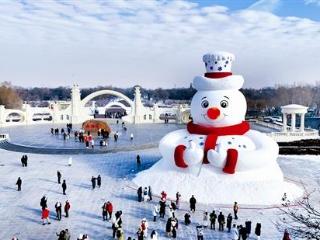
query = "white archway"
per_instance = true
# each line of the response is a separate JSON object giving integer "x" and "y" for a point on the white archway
{"x": 116, "y": 104}
{"x": 106, "y": 92}
{"x": 9, "y": 113}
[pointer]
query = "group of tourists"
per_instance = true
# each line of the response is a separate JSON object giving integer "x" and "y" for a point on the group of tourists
{"x": 24, "y": 160}
{"x": 96, "y": 181}
{"x": 107, "y": 210}
{"x": 65, "y": 134}
{"x": 87, "y": 138}
{"x": 163, "y": 207}
{"x": 45, "y": 212}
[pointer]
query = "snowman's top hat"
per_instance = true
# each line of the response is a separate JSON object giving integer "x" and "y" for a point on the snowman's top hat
{"x": 218, "y": 75}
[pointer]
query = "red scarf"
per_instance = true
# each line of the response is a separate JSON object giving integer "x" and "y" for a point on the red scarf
{"x": 214, "y": 132}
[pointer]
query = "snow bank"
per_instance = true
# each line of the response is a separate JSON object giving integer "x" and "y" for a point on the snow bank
{"x": 258, "y": 187}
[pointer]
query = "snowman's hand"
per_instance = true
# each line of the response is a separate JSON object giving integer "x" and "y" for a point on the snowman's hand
{"x": 216, "y": 159}
{"x": 193, "y": 155}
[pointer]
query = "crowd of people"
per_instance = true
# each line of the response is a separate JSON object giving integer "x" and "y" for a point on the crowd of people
{"x": 162, "y": 209}
{"x": 86, "y": 137}
{"x": 168, "y": 208}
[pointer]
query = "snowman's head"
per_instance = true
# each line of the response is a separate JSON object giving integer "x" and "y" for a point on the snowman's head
{"x": 218, "y": 108}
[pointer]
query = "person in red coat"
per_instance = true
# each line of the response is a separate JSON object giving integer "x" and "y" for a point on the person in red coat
{"x": 164, "y": 195}
{"x": 109, "y": 210}
{"x": 286, "y": 235}
{"x": 67, "y": 208}
{"x": 45, "y": 216}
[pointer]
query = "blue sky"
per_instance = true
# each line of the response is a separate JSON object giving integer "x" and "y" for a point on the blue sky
{"x": 157, "y": 43}
{"x": 285, "y": 8}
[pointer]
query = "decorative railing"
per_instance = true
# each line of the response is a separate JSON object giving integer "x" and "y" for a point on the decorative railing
{"x": 294, "y": 136}
{"x": 307, "y": 133}
{"x": 4, "y": 137}
{"x": 268, "y": 125}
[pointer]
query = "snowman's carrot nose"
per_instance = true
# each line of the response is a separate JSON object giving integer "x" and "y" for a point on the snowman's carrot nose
{"x": 213, "y": 113}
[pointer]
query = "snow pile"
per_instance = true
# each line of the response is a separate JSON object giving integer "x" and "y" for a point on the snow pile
{"x": 213, "y": 186}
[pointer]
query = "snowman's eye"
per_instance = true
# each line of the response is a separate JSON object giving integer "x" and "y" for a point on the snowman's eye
{"x": 204, "y": 103}
{"x": 224, "y": 103}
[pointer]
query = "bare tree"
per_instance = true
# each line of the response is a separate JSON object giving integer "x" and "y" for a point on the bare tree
{"x": 9, "y": 96}
{"x": 301, "y": 218}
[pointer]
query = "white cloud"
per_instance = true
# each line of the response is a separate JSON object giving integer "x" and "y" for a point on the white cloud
{"x": 151, "y": 43}
{"x": 265, "y": 5}
{"x": 316, "y": 2}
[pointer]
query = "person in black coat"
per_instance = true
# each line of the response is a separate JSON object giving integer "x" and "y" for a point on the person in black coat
{"x": 221, "y": 221}
{"x": 168, "y": 227}
{"x": 64, "y": 187}
{"x": 229, "y": 222}
{"x": 150, "y": 193}
{"x": 93, "y": 182}
{"x": 138, "y": 161}
{"x": 257, "y": 231}
{"x": 22, "y": 160}
{"x": 43, "y": 202}
{"x": 192, "y": 202}
{"x": 59, "y": 176}
{"x": 243, "y": 232}
{"x": 162, "y": 211}
{"x": 213, "y": 218}
{"x": 139, "y": 193}
{"x": 187, "y": 220}
{"x": 140, "y": 234}
{"x": 173, "y": 206}
{"x": 19, "y": 183}
{"x": 248, "y": 227}
{"x": 99, "y": 181}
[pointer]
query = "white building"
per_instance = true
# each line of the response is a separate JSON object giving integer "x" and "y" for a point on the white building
{"x": 292, "y": 132}
{"x": 76, "y": 111}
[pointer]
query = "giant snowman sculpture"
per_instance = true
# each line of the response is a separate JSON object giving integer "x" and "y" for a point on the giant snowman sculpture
{"x": 218, "y": 158}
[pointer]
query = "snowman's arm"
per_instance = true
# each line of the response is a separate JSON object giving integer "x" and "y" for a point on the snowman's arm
{"x": 178, "y": 156}
{"x": 169, "y": 143}
{"x": 265, "y": 154}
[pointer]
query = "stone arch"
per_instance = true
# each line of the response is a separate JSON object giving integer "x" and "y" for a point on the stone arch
{"x": 106, "y": 92}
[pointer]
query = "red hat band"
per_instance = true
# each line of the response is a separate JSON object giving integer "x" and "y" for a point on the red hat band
{"x": 217, "y": 74}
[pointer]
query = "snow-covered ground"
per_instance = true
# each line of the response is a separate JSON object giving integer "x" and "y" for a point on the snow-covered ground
{"x": 20, "y": 211}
